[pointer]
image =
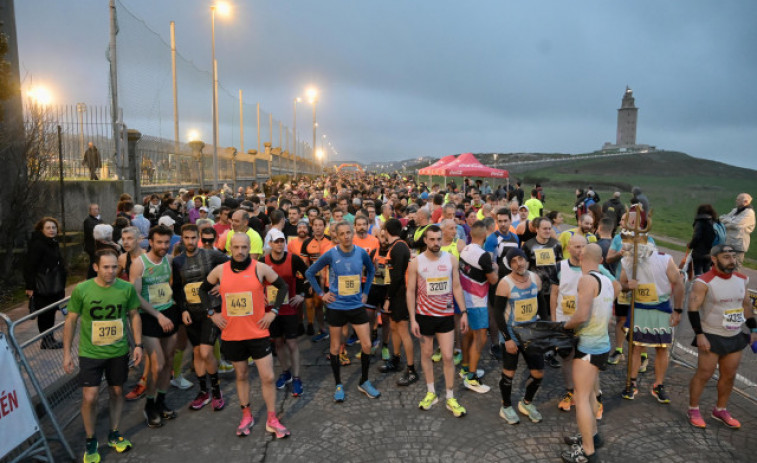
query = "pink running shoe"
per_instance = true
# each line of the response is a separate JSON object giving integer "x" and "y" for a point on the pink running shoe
{"x": 245, "y": 425}
{"x": 274, "y": 426}
{"x": 724, "y": 417}
{"x": 695, "y": 419}
{"x": 218, "y": 403}
{"x": 202, "y": 399}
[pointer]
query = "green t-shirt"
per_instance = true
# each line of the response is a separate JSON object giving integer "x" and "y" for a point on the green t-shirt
{"x": 103, "y": 313}
{"x": 534, "y": 208}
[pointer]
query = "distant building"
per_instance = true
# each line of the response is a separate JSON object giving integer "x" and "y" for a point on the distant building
{"x": 625, "y": 138}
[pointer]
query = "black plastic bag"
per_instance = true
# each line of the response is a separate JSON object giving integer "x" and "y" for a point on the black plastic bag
{"x": 542, "y": 336}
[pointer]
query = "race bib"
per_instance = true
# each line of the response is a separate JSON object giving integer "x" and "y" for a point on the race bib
{"x": 239, "y": 304}
{"x": 624, "y": 298}
{"x": 271, "y": 292}
{"x": 647, "y": 293}
{"x": 192, "y": 292}
{"x": 160, "y": 293}
{"x": 349, "y": 285}
{"x": 568, "y": 305}
{"x": 545, "y": 257}
{"x": 107, "y": 332}
{"x": 437, "y": 286}
{"x": 525, "y": 309}
{"x": 733, "y": 319}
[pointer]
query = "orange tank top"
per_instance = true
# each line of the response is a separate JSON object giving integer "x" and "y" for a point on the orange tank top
{"x": 243, "y": 304}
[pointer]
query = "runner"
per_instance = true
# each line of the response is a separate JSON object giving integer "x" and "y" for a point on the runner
{"x": 240, "y": 224}
{"x": 312, "y": 249}
{"x": 433, "y": 279}
{"x": 477, "y": 273}
{"x": 285, "y": 328}
{"x": 244, "y": 326}
{"x": 517, "y": 303}
{"x": 151, "y": 277}
{"x": 596, "y": 293}
{"x": 190, "y": 268}
{"x": 584, "y": 228}
{"x": 103, "y": 304}
{"x": 345, "y": 302}
{"x": 721, "y": 297}
{"x": 369, "y": 244}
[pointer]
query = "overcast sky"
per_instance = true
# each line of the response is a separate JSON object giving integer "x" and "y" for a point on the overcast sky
{"x": 408, "y": 78}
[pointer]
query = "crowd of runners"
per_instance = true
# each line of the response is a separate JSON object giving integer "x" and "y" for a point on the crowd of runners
{"x": 384, "y": 261}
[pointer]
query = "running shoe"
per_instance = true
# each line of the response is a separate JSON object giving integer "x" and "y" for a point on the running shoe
{"x": 615, "y": 357}
{"x": 218, "y": 403}
{"x": 91, "y": 455}
{"x": 567, "y": 402}
{"x": 724, "y": 417}
{"x": 644, "y": 363}
{"x": 577, "y": 455}
{"x": 352, "y": 340}
{"x": 202, "y": 399}
{"x": 408, "y": 378}
{"x": 368, "y": 389}
{"x": 296, "y": 387}
{"x": 600, "y": 411}
{"x": 152, "y": 415}
{"x": 339, "y": 393}
{"x": 457, "y": 410}
{"x": 390, "y": 366}
{"x": 457, "y": 357}
{"x": 629, "y": 393}
{"x": 385, "y": 355}
{"x": 530, "y": 411}
{"x": 429, "y": 401}
{"x": 320, "y": 336}
{"x": 463, "y": 373}
{"x": 474, "y": 384}
{"x": 375, "y": 346}
{"x": 165, "y": 412}
{"x": 225, "y": 367}
{"x": 245, "y": 425}
{"x": 551, "y": 360}
{"x": 275, "y": 427}
{"x": 181, "y": 382}
{"x": 344, "y": 359}
{"x": 577, "y": 440}
{"x": 137, "y": 393}
{"x": 437, "y": 355}
{"x": 250, "y": 361}
{"x": 118, "y": 442}
{"x": 311, "y": 330}
{"x": 508, "y": 414}
{"x": 695, "y": 418}
{"x": 659, "y": 393}
{"x": 284, "y": 379}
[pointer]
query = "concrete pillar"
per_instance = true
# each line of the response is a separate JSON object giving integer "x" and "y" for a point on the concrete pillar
{"x": 197, "y": 146}
{"x": 254, "y": 163}
{"x": 132, "y": 137}
{"x": 269, "y": 158}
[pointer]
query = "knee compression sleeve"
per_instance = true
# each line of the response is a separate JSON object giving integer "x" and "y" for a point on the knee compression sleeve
{"x": 506, "y": 389}
{"x": 335, "y": 368}
{"x": 532, "y": 385}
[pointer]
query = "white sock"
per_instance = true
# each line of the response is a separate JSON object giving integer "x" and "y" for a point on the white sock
{"x": 430, "y": 388}
{"x": 450, "y": 394}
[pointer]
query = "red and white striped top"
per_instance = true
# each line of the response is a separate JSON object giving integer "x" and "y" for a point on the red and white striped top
{"x": 434, "y": 286}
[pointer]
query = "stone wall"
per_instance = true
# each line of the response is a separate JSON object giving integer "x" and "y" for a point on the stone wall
{"x": 78, "y": 195}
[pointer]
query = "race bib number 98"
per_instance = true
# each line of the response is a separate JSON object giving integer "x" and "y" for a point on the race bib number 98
{"x": 107, "y": 332}
{"x": 437, "y": 286}
{"x": 192, "y": 292}
{"x": 239, "y": 304}
{"x": 349, "y": 285}
{"x": 525, "y": 310}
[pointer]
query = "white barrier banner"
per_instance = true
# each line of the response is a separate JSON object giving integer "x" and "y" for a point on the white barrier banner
{"x": 17, "y": 420}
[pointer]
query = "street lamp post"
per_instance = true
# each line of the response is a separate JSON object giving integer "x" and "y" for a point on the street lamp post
{"x": 313, "y": 99}
{"x": 296, "y": 100}
{"x": 222, "y": 8}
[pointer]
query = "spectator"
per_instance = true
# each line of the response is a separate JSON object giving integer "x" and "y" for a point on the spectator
{"x": 92, "y": 160}
{"x": 141, "y": 222}
{"x": 641, "y": 197}
{"x": 614, "y": 209}
{"x": 702, "y": 238}
{"x": 90, "y": 222}
{"x": 739, "y": 224}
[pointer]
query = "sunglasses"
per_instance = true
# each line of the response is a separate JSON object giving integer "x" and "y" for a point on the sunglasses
{"x": 208, "y": 240}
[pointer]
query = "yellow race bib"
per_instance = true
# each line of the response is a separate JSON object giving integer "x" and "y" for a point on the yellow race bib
{"x": 239, "y": 304}
{"x": 525, "y": 309}
{"x": 647, "y": 293}
{"x": 349, "y": 285}
{"x": 568, "y": 305}
{"x": 624, "y": 298}
{"x": 545, "y": 256}
{"x": 192, "y": 292}
{"x": 271, "y": 292}
{"x": 160, "y": 293}
{"x": 107, "y": 332}
{"x": 437, "y": 286}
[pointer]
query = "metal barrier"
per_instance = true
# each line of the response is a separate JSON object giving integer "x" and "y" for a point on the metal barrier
{"x": 685, "y": 354}
{"x": 36, "y": 446}
{"x": 50, "y": 387}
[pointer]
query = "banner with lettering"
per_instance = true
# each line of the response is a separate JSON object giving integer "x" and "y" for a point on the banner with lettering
{"x": 17, "y": 420}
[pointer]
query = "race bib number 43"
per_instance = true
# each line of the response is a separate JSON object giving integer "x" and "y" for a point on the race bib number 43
{"x": 437, "y": 286}
{"x": 239, "y": 304}
{"x": 160, "y": 293}
{"x": 525, "y": 310}
{"x": 107, "y": 332}
{"x": 349, "y": 285}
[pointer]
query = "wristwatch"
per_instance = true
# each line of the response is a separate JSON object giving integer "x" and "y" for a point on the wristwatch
{"x": 275, "y": 311}
{"x": 211, "y": 312}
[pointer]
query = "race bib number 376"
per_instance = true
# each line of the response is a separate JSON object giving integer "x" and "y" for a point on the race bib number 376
{"x": 107, "y": 332}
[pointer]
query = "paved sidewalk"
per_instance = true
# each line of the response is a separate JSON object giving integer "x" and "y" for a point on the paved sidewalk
{"x": 392, "y": 428}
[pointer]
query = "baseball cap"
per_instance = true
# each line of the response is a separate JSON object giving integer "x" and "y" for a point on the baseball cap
{"x": 523, "y": 207}
{"x": 303, "y": 222}
{"x": 166, "y": 221}
{"x": 276, "y": 234}
{"x": 203, "y": 209}
{"x": 721, "y": 248}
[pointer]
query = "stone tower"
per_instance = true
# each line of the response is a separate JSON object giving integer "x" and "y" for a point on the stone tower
{"x": 627, "y": 115}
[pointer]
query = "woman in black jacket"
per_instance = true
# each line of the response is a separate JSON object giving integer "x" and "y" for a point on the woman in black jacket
{"x": 45, "y": 276}
{"x": 701, "y": 240}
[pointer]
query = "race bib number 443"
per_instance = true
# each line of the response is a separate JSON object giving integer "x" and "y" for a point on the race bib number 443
{"x": 107, "y": 332}
{"x": 239, "y": 304}
{"x": 437, "y": 286}
{"x": 349, "y": 285}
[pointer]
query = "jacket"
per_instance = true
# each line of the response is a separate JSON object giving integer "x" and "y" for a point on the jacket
{"x": 739, "y": 224}
{"x": 44, "y": 254}
{"x": 704, "y": 235}
{"x": 89, "y": 238}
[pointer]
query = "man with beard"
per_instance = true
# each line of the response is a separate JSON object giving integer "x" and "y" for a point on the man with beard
{"x": 312, "y": 249}
{"x": 584, "y": 228}
{"x": 719, "y": 305}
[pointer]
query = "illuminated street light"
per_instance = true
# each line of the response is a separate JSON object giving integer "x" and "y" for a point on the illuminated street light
{"x": 193, "y": 135}
{"x": 40, "y": 95}
{"x": 296, "y": 100}
{"x": 312, "y": 94}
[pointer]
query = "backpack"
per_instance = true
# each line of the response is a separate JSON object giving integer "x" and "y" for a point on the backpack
{"x": 719, "y": 229}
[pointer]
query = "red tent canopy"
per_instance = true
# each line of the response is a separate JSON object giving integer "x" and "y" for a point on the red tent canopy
{"x": 466, "y": 165}
{"x": 434, "y": 168}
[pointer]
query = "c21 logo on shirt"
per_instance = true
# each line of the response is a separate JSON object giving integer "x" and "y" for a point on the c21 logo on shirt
{"x": 109, "y": 312}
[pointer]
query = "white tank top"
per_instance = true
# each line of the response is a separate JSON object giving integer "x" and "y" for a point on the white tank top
{"x": 593, "y": 337}
{"x": 568, "y": 289}
{"x": 722, "y": 312}
{"x": 434, "y": 286}
{"x": 654, "y": 286}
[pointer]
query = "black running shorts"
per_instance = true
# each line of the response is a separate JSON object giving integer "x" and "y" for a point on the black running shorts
{"x": 431, "y": 325}
{"x": 238, "y": 351}
{"x": 91, "y": 371}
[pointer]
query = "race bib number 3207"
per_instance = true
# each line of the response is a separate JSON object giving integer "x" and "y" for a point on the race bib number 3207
{"x": 437, "y": 286}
